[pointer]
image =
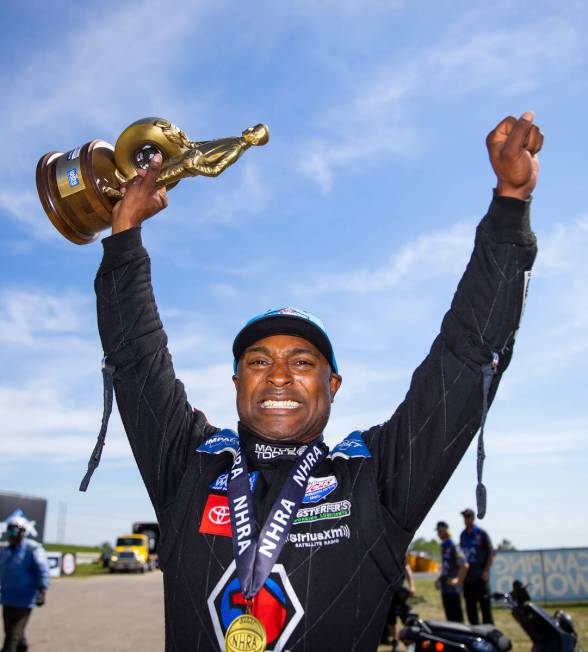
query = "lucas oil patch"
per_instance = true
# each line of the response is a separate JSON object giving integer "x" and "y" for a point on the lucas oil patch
{"x": 319, "y": 488}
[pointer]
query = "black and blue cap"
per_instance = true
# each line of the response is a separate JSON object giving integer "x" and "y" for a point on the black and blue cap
{"x": 284, "y": 321}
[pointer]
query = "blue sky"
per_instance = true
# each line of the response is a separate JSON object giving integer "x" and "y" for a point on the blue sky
{"x": 362, "y": 209}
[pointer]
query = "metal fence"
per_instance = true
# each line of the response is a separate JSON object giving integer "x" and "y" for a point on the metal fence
{"x": 558, "y": 575}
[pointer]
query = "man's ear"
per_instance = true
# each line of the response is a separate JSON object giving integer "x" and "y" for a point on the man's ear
{"x": 334, "y": 382}
{"x": 235, "y": 380}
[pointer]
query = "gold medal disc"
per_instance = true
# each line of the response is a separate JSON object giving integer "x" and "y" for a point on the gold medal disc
{"x": 245, "y": 634}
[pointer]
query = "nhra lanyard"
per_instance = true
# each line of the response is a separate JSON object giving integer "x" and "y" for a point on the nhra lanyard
{"x": 255, "y": 553}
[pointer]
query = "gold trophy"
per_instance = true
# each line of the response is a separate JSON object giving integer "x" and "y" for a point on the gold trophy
{"x": 79, "y": 188}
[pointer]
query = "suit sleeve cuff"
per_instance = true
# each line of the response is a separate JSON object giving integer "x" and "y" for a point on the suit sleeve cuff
{"x": 121, "y": 248}
{"x": 508, "y": 221}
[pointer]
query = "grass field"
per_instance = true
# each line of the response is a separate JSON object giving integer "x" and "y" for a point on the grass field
{"x": 88, "y": 570}
{"x": 428, "y": 606}
{"x": 82, "y": 570}
{"x": 63, "y": 547}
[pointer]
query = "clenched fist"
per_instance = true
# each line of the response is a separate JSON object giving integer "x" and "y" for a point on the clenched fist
{"x": 513, "y": 146}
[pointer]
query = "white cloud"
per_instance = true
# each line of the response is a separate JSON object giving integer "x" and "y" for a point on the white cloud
{"x": 225, "y": 291}
{"x": 429, "y": 256}
{"x": 30, "y": 316}
{"x": 52, "y": 407}
{"x": 246, "y": 198}
{"x": 49, "y": 416}
{"x": 555, "y": 322}
{"x": 24, "y": 206}
{"x": 210, "y": 389}
{"x": 379, "y": 114}
{"x": 552, "y": 439}
{"x": 133, "y": 43}
{"x": 321, "y": 159}
{"x": 564, "y": 248}
{"x": 118, "y": 60}
{"x": 509, "y": 60}
{"x": 51, "y": 401}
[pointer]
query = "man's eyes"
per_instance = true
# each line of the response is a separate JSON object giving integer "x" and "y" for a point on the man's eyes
{"x": 263, "y": 362}
{"x": 303, "y": 363}
{"x": 258, "y": 362}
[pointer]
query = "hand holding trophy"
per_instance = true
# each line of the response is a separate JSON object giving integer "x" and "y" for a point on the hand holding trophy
{"x": 79, "y": 188}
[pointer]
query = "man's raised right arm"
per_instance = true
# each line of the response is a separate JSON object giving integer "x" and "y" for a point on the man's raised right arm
{"x": 161, "y": 426}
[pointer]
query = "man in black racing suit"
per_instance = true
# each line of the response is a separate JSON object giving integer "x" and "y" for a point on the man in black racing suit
{"x": 344, "y": 554}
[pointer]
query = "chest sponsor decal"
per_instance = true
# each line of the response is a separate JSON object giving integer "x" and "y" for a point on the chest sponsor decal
{"x": 323, "y": 512}
{"x": 276, "y": 605}
{"x": 216, "y": 518}
{"x": 322, "y": 538}
{"x": 221, "y": 483}
{"x": 319, "y": 488}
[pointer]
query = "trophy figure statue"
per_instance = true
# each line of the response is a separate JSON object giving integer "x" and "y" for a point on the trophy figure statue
{"x": 79, "y": 188}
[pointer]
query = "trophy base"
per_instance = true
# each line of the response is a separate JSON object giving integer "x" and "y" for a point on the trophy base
{"x": 71, "y": 186}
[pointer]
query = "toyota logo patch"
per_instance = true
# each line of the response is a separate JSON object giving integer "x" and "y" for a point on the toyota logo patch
{"x": 216, "y": 518}
{"x": 220, "y": 515}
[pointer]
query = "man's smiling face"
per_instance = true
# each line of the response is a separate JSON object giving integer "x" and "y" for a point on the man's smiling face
{"x": 285, "y": 387}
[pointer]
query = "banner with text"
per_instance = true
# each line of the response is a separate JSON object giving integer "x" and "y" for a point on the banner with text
{"x": 550, "y": 575}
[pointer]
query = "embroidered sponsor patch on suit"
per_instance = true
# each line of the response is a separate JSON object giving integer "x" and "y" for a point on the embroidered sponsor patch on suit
{"x": 216, "y": 518}
{"x": 221, "y": 483}
{"x": 276, "y": 605}
{"x": 328, "y": 537}
{"x": 352, "y": 446}
{"x": 268, "y": 452}
{"x": 323, "y": 512}
{"x": 319, "y": 488}
{"x": 223, "y": 441}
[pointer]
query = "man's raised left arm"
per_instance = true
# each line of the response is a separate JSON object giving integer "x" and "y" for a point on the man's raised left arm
{"x": 417, "y": 450}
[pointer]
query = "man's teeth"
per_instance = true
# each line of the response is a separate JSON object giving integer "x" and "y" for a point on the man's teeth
{"x": 285, "y": 405}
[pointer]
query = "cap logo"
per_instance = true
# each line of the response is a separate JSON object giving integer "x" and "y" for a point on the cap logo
{"x": 290, "y": 311}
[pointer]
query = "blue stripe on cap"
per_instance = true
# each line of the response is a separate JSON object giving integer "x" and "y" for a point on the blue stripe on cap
{"x": 296, "y": 313}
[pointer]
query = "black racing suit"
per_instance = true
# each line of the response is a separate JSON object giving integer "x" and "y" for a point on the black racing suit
{"x": 345, "y": 553}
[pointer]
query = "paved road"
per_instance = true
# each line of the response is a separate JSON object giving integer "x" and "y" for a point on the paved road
{"x": 108, "y": 612}
{"x": 117, "y": 613}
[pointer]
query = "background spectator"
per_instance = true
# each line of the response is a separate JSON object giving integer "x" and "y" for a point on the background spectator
{"x": 477, "y": 548}
{"x": 399, "y": 607}
{"x": 454, "y": 568}
{"x": 24, "y": 578}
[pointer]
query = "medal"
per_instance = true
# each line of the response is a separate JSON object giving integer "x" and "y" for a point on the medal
{"x": 256, "y": 551}
{"x": 245, "y": 634}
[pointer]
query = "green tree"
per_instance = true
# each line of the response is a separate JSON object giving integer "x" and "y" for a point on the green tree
{"x": 505, "y": 544}
{"x": 431, "y": 547}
